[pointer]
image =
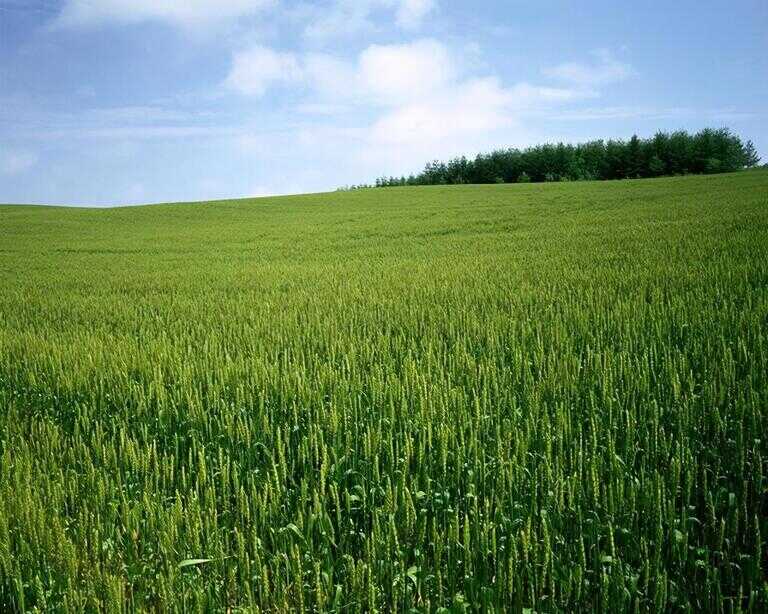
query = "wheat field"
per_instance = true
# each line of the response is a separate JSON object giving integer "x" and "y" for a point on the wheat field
{"x": 536, "y": 398}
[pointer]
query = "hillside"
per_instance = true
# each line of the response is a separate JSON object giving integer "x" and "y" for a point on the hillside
{"x": 546, "y": 396}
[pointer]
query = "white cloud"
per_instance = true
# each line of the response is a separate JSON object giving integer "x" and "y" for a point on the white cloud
{"x": 321, "y": 108}
{"x": 341, "y": 18}
{"x": 332, "y": 19}
{"x": 16, "y": 162}
{"x": 602, "y": 70}
{"x": 333, "y": 79}
{"x": 414, "y": 93}
{"x": 177, "y": 12}
{"x": 467, "y": 110}
{"x": 395, "y": 73}
{"x": 411, "y": 13}
{"x": 382, "y": 74}
{"x": 256, "y": 69}
{"x": 348, "y": 17}
{"x": 470, "y": 108}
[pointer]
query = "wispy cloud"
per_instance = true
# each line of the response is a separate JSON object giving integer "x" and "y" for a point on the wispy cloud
{"x": 176, "y": 12}
{"x": 650, "y": 113}
{"x": 344, "y": 18}
{"x": 330, "y": 19}
{"x": 139, "y": 132}
{"x": 604, "y": 68}
{"x": 411, "y": 13}
{"x": 129, "y": 122}
{"x": 16, "y": 162}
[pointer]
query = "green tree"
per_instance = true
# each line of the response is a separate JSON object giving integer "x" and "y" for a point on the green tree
{"x": 750, "y": 157}
{"x": 656, "y": 166}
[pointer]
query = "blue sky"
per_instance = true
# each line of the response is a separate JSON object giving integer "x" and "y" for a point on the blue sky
{"x": 132, "y": 101}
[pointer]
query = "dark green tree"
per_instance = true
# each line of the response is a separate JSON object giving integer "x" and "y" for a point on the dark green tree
{"x": 749, "y": 156}
{"x": 707, "y": 151}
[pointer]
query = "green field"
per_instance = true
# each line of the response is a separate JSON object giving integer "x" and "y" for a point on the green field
{"x": 486, "y": 398}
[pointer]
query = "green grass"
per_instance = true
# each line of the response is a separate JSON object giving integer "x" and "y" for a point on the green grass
{"x": 493, "y": 398}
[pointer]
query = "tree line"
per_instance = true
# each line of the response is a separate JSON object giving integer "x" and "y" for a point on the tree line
{"x": 676, "y": 153}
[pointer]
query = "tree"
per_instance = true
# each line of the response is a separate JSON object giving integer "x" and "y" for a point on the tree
{"x": 616, "y": 160}
{"x": 707, "y": 151}
{"x": 679, "y": 153}
{"x": 750, "y": 157}
{"x": 713, "y": 165}
{"x": 634, "y": 158}
{"x": 656, "y": 166}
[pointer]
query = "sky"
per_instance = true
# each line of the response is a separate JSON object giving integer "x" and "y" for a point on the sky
{"x": 112, "y": 102}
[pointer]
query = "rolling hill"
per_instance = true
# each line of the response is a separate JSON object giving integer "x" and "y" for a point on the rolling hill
{"x": 549, "y": 397}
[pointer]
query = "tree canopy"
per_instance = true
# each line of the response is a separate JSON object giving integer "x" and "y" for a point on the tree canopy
{"x": 676, "y": 153}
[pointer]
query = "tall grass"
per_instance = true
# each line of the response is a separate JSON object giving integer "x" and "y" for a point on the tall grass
{"x": 490, "y": 398}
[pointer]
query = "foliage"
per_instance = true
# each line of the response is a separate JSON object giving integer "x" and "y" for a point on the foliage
{"x": 478, "y": 398}
{"x": 679, "y": 153}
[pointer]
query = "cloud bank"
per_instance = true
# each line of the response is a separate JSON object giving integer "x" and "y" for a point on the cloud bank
{"x": 417, "y": 92}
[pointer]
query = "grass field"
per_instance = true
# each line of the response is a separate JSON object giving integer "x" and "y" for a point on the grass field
{"x": 484, "y": 398}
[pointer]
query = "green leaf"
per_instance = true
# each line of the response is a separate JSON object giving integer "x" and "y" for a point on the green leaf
{"x": 292, "y": 527}
{"x": 412, "y": 574}
{"x": 191, "y": 562}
